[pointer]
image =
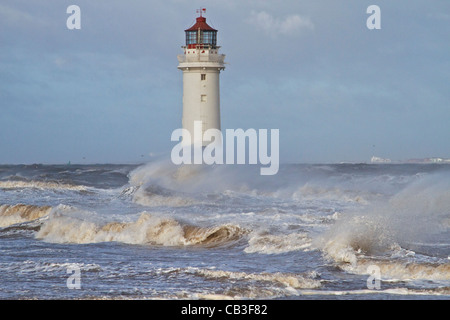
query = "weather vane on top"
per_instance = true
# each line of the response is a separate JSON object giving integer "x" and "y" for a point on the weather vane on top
{"x": 201, "y": 11}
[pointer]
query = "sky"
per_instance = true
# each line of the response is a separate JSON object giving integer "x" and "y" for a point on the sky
{"x": 337, "y": 91}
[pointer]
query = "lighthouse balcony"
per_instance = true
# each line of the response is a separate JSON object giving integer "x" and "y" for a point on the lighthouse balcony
{"x": 199, "y": 56}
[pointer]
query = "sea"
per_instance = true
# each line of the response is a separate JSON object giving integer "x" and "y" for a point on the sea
{"x": 197, "y": 232}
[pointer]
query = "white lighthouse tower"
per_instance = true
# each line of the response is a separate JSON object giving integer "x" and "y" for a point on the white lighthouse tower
{"x": 201, "y": 64}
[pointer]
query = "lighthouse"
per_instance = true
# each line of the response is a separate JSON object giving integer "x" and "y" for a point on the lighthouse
{"x": 201, "y": 64}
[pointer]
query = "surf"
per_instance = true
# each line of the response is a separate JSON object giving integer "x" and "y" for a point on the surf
{"x": 386, "y": 234}
{"x": 19, "y": 213}
{"x": 70, "y": 225}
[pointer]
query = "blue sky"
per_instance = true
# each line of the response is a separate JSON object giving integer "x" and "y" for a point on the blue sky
{"x": 337, "y": 91}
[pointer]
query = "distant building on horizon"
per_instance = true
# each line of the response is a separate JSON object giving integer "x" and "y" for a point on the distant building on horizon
{"x": 375, "y": 159}
{"x": 379, "y": 160}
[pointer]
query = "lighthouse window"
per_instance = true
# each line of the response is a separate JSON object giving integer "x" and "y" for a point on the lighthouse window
{"x": 191, "y": 37}
{"x": 203, "y": 98}
{"x": 203, "y": 76}
{"x": 210, "y": 37}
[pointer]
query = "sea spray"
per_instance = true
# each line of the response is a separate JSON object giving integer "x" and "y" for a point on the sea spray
{"x": 414, "y": 215}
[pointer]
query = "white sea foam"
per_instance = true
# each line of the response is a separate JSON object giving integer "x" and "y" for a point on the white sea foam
{"x": 295, "y": 281}
{"x": 403, "y": 270}
{"x": 32, "y": 266}
{"x": 248, "y": 284}
{"x": 145, "y": 196}
{"x": 387, "y": 292}
{"x": 162, "y": 182}
{"x": 412, "y": 215}
{"x": 266, "y": 243}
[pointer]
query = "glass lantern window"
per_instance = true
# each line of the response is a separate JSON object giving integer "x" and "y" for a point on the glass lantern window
{"x": 201, "y": 37}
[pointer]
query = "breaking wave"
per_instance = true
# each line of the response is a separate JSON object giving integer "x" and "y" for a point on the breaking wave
{"x": 295, "y": 281}
{"x": 66, "y": 225}
{"x": 31, "y": 266}
{"x": 266, "y": 243}
{"x": 19, "y": 213}
{"x": 43, "y": 185}
{"x": 247, "y": 285}
{"x": 403, "y": 270}
{"x": 386, "y": 234}
{"x": 154, "y": 196}
{"x": 162, "y": 183}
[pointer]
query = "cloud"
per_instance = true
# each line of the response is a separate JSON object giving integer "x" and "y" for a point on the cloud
{"x": 290, "y": 25}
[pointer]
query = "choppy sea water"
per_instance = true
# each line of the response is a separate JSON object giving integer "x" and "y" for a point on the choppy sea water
{"x": 159, "y": 231}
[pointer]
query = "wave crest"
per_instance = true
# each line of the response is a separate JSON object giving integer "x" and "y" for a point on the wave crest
{"x": 19, "y": 213}
{"x": 9, "y": 184}
{"x": 273, "y": 244}
{"x": 213, "y": 235}
{"x": 295, "y": 281}
{"x": 148, "y": 229}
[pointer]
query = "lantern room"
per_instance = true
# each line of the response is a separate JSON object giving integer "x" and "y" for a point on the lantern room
{"x": 201, "y": 35}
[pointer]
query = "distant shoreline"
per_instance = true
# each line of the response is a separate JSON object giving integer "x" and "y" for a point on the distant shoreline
{"x": 422, "y": 160}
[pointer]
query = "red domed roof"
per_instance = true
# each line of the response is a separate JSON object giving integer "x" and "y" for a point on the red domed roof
{"x": 200, "y": 24}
